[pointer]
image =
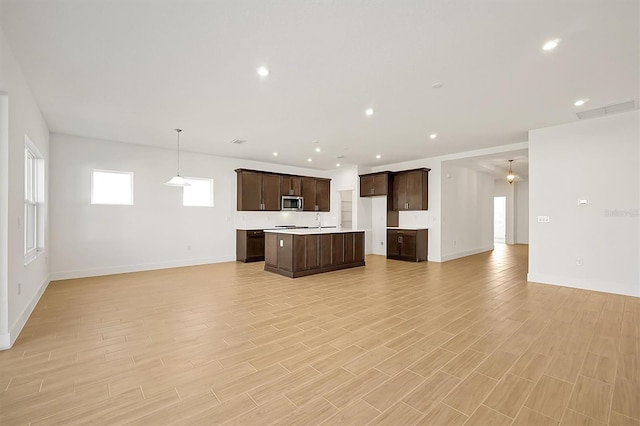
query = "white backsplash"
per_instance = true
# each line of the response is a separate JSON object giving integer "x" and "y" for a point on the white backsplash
{"x": 264, "y": 220}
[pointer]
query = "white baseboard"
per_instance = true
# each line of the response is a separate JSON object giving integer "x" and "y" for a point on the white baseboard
{"x": 110, "y": 270}
{"x": 465, "y": 253}
{"x": 7, "y": 340}
{"x": 605, "y": 287}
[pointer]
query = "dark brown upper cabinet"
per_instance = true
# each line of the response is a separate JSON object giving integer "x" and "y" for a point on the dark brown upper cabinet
{"x": 411, "y": 190}
{"x": 290, "y": 185}
{"x": 262, "y": 191}
{"x": 374, "y": 184}
{"x": 258, "y": 191}
{"x": 316, "y": 194}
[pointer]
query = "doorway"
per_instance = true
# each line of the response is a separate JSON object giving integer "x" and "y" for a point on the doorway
{"x": 499, "y": 219}
{"x": 346, "y": 209}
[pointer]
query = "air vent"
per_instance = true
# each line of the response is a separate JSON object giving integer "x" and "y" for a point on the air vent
{"x": 237, "y": 141}
{"x": 340, "y": 157}
{"x": 610, "y": 109}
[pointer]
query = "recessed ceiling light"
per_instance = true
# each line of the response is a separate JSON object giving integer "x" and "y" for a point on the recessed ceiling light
{"x": 433, "y": 135}
{"x": 378, "y": 156}
{"x": 369, "y": 111}
{"x": 551, "y": 44}
{"x": 309, "y": 160}
{"x": 263, "y": 71}
{"x": 318, "y": 149}
{"x": 437, "y": 85}
{"x": 275, "y": 154}
{"x": 337, "y": 164}
{"x": 580, "y": 102}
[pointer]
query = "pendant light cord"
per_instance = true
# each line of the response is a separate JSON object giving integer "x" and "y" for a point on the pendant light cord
{"x": 178, "y": 131}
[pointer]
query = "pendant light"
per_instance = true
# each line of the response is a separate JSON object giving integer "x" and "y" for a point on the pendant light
{"x": 510, "y": 177}
{"x": 178, "y": 180}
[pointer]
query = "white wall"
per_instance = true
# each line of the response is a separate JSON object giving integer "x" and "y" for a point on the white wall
{"x": 467, "y": 212}
{"x": 19, "y": 116}
{"x": 595, "y": 246}
{"x": 157, "y": 231}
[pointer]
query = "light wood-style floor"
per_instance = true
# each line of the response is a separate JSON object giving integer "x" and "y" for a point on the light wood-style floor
{"x": 463, "y": 342}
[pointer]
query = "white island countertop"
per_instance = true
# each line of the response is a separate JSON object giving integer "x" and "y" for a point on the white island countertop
{"x": 313, "y": 231}
{"x": 408, "y": 228}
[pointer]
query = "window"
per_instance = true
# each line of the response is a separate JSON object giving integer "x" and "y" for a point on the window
{"x": 109, "y": 187}
{"x": 199, "y": 194}
{"x": 33, "y": 202}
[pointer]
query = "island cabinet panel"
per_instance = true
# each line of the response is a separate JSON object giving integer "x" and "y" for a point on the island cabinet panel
{"x": 285, "y": 252}
{"x": 358, "y": 247}
{"x": 271, "y": 250}
{"x": 312, "y": 251}
{"x": 308, "y": 245}
{"x": 296, "y": 255}
{"x": 325, "y": 250}
{"x": 337, "y": 249}
{"x": 407, "y": 244}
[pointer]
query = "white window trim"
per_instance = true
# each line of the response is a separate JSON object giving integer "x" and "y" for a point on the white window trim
{"x": 112, "y": 204}
{"x": 36, "y": 199}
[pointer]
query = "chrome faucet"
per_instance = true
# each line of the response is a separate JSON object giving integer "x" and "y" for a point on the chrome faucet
{"x": 318, "y": 221}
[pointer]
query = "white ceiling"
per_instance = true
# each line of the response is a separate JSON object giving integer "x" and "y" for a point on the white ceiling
{"x": 134, "y": 70}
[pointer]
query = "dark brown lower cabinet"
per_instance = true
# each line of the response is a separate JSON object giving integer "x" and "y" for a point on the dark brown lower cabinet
{"x": 407, "y": 244}
{"x": 249, "y": 245}
{"x": 300, "y": 255}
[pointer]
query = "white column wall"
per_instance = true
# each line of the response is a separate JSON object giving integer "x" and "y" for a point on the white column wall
{"x": 20, "y": 285}
{"x": 593, "y": 246}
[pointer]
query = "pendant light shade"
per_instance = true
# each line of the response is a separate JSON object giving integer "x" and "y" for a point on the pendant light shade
{"x": 177, "y": 180}
{"x": 510, "y": 177}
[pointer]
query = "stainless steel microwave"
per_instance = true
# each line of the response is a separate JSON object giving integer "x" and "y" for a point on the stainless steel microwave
{"x": 290, "y": 203}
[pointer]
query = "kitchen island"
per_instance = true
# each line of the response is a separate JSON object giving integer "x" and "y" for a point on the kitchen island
{"x": 299, "y": 252}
